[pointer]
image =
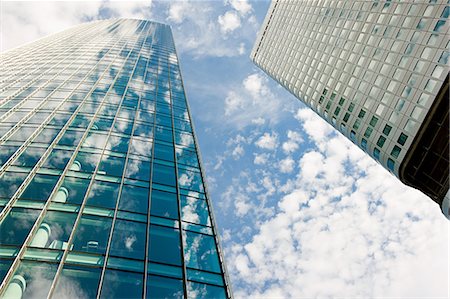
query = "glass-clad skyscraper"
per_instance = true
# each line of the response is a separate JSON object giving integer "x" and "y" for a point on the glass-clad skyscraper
{"x": 377, "y": 71}
{"x": 101, "y": 190}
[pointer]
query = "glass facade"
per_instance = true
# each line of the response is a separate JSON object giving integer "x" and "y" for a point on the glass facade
{"x": 101, "y": 189}
{"x": 373, "y": 69}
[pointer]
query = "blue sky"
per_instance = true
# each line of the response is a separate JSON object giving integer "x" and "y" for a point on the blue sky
{"x": 302, "y": 211}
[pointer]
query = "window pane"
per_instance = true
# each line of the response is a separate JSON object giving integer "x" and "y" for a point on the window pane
{"x": 92, "y": 234}
{"x": 164, "y": 245}
{"x": 128, "y": 239}
{"x": 29, "y": 157}
{"x": 163, "y": 152}
{"x": 118, "y": 144}
{"x": 77, "y": 282}
{"x": 54, "y": 230}
{"x": 200, "y": 290}
{"x": 194, "y": 210}
{"x": 72, "y": 190}
{"x": 200, "y": 252}
{"x": 137, "y": 169}
{"x": 16, "y": 226}
{"x": 85, "y": 162}
{"x": 163, "y": 174}
{"x": 134, "y": 199}
{"x": 112, "y": 166}
{"x": 164, "y": 204}
{"x": 40, "y": 187}
{"x": 58, "y": 159}
{"x": 120, "y": 284}
{"x": 37, "y": 278}
{"x": 103, "y": 194}
{"x": 9, "y": 182}
{"x": 161, "y": 287}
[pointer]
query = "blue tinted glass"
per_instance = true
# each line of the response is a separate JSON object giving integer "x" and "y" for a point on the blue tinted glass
{"x": 103, "y": 194}
{"x": 200, "y": 290}
{"x": 163, "y": 152}
{"x": 187, "y": 157}
{"x": 95, "y": 140}
{"x": 164, "y": 204}
{"x": 30, "y": 157}
{"x": 141, "y": 147}
{"x": 200, "y": 252}
{"x": 71, "y": 138}
{"x": 164, "y": 246}
{"x": 58, "y": 159}
{"x": 85, "y": 162}
{"x": 134, "y": 199}
{"x": 72, "y": 190}
{"x": 163, "y": 174}
{"x": 128, "y": 239}
{"x": 120, "y": 284}
{"x": 143, "y": 130}
{"x": 194, "y": 210}
{"x": 80, "y": 121}
{"x": 6, "y": 152}
{"x": 390, "y": 164}
{"x": 190, "y": 179}
{"x": 118, "y": 144}
{"x": 4, "y": 267}
{"x": 92, "y": 233}
{"x": 10, "y": 182}
{"x": 123, "y": 126}
{"x": 77, "y": 282}
{"x": 38, "y": 278}
{"x": 16, "y": 226}
{"x": 138, "y": 169}
{"x": 111, "y": 165}
{"x": 40, "y": 187}
{"x": 162, "y": 287}
{"x": 54, "y": 230}
{"x": 163, "y": 133}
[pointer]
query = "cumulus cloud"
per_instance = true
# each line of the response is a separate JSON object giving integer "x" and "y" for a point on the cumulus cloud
{"x": 229, "y": 22}
{"x": 242, "y": 6}
{"x": 287, "y": 165}
{"x": 238, "y": 152}
{"x": 344, "y": 227}
{"x": 261, "y": 159}
{"x": 292, "y": 144}
{"x": 254, "y": 102}
{"x": 267, "y": 141}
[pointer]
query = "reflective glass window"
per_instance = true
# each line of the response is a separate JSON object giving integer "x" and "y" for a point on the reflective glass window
{"x": 118, "y": 144}
{"x": 35, "y": 277}
{"x": 164, "y": 204}
{"x": 71, "y": 138}
{"x": 85, "y": 162}
{"x": 102, "y": 124}
{"x": 40, "y": 187}
{"x": 54, "y": 230}
{"x": 72, "y": 190}
{"x": 4, "y": 267}
{"x": 80, "y": 121}
{"x": 162, "y": 287}
{"x": 163, "y": 174}
{"x": 138, "y": 169}
{"x": 164, "y": 245}
{"x": 30, "y": 157}
{"x": 120, "y": 284}
{"x": 143, "y": 130}
{"x": 77, "y": 282}
{"x": 46, "y": 136}
{"x": 16, "y": 226}
{"x": 128, "y": 239}
{"x": 92, "y": 233}
{"x": 200, "y": 252}
{"x": 111, "y": 165}
{"x": 123, "y": 126}
{"x": 95, "y": 140}
{"x": 58, "y": 159}
{"x": 9, "y": 182}
{"x": 190, "y": 179}
{"x": 6, "y": 152}
{"x": 200, "y": 290}
{"x": 134, "y": 199}
{"x": 194, "y": 210}
{"x": 103, "y": 194}
{"x": 163, "y": 152}
{"x": 187, "y": 157}
{"x": 141, "y": 147}
{"x": 163, "y": 133}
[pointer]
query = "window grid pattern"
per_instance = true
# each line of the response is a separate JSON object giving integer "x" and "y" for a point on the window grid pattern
{"x": 101, "y": 188}
{"x": 387, "y": 59}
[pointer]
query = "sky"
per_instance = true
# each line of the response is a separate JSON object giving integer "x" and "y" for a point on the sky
{"x": 302, "y": 212}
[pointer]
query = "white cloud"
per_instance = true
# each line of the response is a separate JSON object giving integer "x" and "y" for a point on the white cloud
{"x": 242, "y": 6}
{"x": 233, "y": 102}
{"x": 254, "y": 84}
{"x": 345, "y": 228}
{"x": 260, "y": 159}
{"x": 39, "y": 18}
{"x": 177, "y": 11}
{"x": 287, "y": 165}
{"x": 267, "y": 141}
{"x": 229, "y": 22}
{"x": 258, "y": 121}
{"x": 238, "y": 152}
